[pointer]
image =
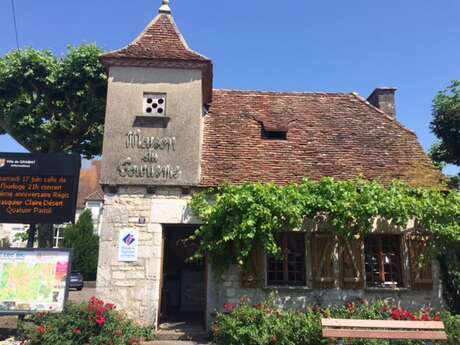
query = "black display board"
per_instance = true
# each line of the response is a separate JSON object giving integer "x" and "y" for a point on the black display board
{"x": 38, "y": 188}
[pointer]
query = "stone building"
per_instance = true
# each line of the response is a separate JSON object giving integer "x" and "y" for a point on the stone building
{"x": 168, "y": 133}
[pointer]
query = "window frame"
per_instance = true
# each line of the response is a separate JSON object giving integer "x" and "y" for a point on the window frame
{"x": 382, "y": 254}
{"x": 284, "y": 242}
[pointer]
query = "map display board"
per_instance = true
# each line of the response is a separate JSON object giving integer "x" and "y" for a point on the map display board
{"x": 33, "y": 280}
{"x": 38, "y": 188}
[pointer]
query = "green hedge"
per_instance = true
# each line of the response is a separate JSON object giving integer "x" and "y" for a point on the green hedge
{"x": 265, "y": 325}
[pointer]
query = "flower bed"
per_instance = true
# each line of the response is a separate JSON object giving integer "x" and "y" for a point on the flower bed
{"x": 265, "y": 325}
{"x": 95, "y": 323}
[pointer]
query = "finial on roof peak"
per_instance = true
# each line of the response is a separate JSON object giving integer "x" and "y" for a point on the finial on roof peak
{"x": 165, "y": 7}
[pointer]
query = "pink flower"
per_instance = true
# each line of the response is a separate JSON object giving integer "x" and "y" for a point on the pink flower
{"x": 77, "y": 331}
{"x": 41, "y": 329}
{"x": 274, "y": 338}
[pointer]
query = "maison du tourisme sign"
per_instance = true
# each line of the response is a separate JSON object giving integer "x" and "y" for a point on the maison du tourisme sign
{"x": 38, "y": 188}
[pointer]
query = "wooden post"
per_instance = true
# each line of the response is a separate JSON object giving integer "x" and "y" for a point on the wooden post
{"x": 30, "y": 244}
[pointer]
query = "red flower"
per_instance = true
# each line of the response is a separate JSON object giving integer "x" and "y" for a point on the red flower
{"x": 41, "y": 329}
{"x": 425, "y": 317}
{"x": 101, "y": 321}
{"x": 77, "y": 331}
{"x": 229, "y": 307}
{"x": 437, "y": 317}
{"x": 350, "y": 307}
{"x": 274, "y": 338}
{"x": 110, "y": 306}
{"x": 100, "y": 310}
{"x": 396, "y": 314}
{"x": 385, "y": 308}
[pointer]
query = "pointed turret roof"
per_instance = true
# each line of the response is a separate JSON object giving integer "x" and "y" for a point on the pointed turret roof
{"x": 162, "y": 45}
{"x": 160, "y": 40}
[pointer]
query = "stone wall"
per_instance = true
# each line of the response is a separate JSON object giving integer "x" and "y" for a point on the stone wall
{"x": 135, "y": 287}
{"x": 229, "y": 290}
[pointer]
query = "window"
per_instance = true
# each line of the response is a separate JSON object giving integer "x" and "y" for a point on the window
{"x": 154, "y": 104}
{"x": 58, "y": 235}
{"x": 383, "y": 260}
{"x": 290, "y": 268}
{"x": 274, "y": 135}
{"x": 95, "y": 207}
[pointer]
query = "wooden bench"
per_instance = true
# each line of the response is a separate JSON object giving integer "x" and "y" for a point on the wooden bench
{"x": 340, "y": 329}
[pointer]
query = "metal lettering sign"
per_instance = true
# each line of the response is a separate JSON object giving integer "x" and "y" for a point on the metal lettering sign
{"x": 38, "y": 188}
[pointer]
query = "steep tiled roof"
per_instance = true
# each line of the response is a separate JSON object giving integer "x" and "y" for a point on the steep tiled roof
{"x": 89, "y": 187}
{"x": 161, "y": 45}
{"x": 160, "y": 40}
{"x": 339, "y": 135}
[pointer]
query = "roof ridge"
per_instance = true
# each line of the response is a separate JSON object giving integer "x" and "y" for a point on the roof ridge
{"x": 388, "y": 117}
{"x": 292, "y": 93}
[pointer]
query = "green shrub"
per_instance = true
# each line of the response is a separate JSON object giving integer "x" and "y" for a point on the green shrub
{"x": 266, "y": 325}
{"x": 95, "y": 323}
{"x": 85, "y": 244}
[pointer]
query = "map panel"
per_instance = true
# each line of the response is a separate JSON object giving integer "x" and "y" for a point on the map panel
{"x": 33, "y": 280}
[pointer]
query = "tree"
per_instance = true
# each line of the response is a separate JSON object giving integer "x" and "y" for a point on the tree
{"x": 446, "y": 123}
{"x": 437, "y": 155}
{"x": 51, "y": 104}
{"x": 54, "y": 104}
{"x": 446, "y": 126}
{"x": 85, "y": 244}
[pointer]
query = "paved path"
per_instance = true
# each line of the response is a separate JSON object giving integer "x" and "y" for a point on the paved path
{"x": 81, "y": 296}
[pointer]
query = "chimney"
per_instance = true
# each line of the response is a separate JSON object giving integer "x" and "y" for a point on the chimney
{"x": 384, "y": 99}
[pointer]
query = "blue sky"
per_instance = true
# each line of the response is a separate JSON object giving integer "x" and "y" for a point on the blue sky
{"x": 297, "y": 45}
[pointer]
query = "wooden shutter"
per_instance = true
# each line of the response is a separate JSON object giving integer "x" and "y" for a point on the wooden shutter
{"x": 322, "y": 255}
{"x": 253, "y": 276}
{"x": 351, "y": 263}
{"x": 420, "y": 262}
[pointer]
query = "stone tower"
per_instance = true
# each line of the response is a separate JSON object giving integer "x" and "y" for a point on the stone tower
{"x": 157, "y": 90}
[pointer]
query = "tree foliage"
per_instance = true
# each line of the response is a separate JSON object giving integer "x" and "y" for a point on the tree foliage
{"x": 446, "y": 123}
{"x": 239, "y": 219}
{"x": 85, "y": 244}
{"x": 51, "y": 104}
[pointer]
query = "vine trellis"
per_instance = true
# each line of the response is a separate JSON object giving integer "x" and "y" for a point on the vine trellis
{"x": 239, "y": 219}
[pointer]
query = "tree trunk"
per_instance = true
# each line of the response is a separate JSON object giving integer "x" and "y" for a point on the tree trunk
{"x": 46, "y": 236}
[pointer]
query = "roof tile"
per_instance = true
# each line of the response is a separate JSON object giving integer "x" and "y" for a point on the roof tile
{"x": 160, "y": 40}
{"x": 337, "y": 135}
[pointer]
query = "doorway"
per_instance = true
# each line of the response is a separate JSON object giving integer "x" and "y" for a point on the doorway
{"x": 183, "y": 293}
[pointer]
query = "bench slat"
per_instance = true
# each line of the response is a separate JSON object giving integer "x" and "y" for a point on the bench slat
{"x": 383, "y": 324}
{"x": 376, "y": 334}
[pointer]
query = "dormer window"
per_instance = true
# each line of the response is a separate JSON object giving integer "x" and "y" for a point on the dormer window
{"x": 274, "y": 131}
{"x": 274, "y": 135}
{"x": 269, "y": 133}
{"x": 154, "y": 104}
